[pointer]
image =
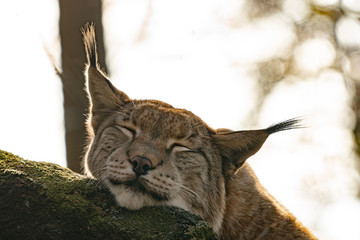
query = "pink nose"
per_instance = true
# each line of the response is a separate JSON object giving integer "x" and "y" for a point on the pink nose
{"x": 141, "y": 165}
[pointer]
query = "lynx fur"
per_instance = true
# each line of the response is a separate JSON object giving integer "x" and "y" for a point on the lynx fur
{"x": 149, "y": 153}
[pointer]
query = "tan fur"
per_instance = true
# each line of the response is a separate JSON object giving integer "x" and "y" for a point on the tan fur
{"x": 192, "y": 166}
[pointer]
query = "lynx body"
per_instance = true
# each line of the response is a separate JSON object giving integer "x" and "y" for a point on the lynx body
{"x": 149, "y": 153}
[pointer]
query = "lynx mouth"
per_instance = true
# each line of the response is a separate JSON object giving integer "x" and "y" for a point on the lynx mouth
{"x": 114, "y": 181}
{"x": 133, "y": 184}
{"x": 137, "y": 187}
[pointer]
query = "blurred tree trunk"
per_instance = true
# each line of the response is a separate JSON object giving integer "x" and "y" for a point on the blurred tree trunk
{"x": 73, "y": 16}
{"x": 356, "y": 107}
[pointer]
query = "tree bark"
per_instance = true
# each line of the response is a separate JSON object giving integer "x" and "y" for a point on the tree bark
{"x": 73, "y": 16}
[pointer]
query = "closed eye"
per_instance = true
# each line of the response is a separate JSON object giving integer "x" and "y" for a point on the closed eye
{"x": 129, "y": 132}
{"x": 175, "y": 147}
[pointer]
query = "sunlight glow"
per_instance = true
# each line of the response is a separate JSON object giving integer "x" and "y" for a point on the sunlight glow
{"x": 314, "y": 54}
{"x": 202, "y": 56}
{"x": 325, "y": 3}
{"x": 316, "y": 163}
{"x": 353, "y": 5}
{"x": 296, "y": 9}
{"x": 348, "y": 32}
{"x": 31, "y": 123}
{"x": 204, "y": 63}
{"x": 351, "y": 66}
{"x": 261, "y": 40}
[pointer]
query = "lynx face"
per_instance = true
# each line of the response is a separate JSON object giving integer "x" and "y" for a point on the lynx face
{"x": 150, "y": 153}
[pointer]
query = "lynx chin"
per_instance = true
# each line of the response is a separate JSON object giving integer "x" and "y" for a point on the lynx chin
{"x": 149, "y": 153}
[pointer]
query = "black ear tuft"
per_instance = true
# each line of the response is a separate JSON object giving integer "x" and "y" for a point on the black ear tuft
{"x": 236, "y": 147}
{"x": 293, "y": 123}
{"x": 88, "y": 32}
{"x": 104, "y": 97}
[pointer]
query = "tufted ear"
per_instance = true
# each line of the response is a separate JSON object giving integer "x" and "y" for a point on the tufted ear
{"x": 236, "y": 147}
{"x": 103, "y": 96}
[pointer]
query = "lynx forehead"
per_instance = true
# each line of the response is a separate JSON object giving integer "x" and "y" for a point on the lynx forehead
{"x": 149, "y": 153}
{"x": 164, "y": 119}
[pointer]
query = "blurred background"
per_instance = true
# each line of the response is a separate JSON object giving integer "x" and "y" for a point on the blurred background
{"x": 236, "y": 64}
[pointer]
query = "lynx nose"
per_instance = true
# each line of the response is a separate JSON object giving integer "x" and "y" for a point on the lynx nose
{"x": 140, "y": 165}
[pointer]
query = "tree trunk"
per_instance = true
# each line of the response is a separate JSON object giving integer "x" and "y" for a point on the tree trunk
{"x": 73, "y": 16}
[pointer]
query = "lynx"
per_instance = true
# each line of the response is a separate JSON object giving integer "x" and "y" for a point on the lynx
{"x": 149, "y": 153}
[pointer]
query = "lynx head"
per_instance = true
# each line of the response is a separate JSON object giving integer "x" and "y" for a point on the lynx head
{"x": 150, "y": 153}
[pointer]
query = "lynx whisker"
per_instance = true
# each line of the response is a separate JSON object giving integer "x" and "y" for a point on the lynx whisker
{"x": 99, "y": 171}
{"x": 187, "y": 190}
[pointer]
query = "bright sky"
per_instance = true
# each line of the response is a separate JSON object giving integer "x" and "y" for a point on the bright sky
{"x": 192, "y": 58}
{"x": 31, "y": 123}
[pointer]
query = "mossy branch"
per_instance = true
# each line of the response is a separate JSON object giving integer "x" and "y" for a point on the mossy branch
{"x": 45, "y": 201}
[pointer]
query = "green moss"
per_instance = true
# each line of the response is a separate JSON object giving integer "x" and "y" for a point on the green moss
{"x": 45, "y": 201}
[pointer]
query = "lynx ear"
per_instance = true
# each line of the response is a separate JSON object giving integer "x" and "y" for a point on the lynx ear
{"x": 103, "y": 96}
{"x": 236, "y": 147}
